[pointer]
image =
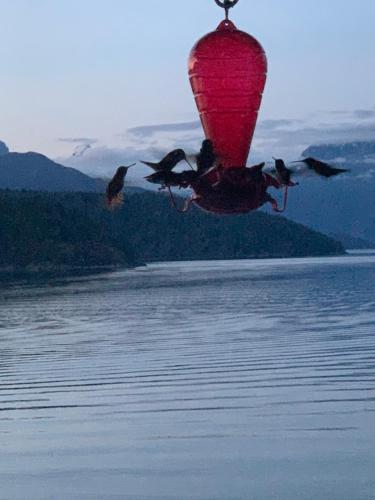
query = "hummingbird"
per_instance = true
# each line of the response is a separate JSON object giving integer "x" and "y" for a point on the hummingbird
{"x": 256, "y": 172}
{"x": 159, "y": 177}
{"x": 114, "y": 197}
{"x": 164, "y": 178}
{"x": 321, "y": 168}
{"x": 187, "y": 178}
{"x": 206, "y": 158}
{"x": 168, "y": 163}
{"x": 172, "y": 179}
{"x": 284, "y": 174}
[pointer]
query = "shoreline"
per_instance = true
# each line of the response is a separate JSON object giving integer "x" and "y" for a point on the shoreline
{"x": 11, "y": 272}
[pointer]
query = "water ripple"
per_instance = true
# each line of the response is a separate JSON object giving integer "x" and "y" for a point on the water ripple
{"x": 139, "y": 382}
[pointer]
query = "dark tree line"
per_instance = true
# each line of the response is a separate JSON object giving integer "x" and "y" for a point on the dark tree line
{"x": 75, "y": 229}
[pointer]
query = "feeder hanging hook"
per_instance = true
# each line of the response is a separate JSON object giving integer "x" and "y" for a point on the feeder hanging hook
{"x": 226, "y": 4}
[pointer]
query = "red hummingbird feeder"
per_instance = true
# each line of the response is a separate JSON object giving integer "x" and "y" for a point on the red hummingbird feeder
{"x": 228, "y": 71}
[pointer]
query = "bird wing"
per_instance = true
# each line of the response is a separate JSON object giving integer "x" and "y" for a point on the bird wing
{"x": 172, "y": 159}
{"x": 154, "y": 166}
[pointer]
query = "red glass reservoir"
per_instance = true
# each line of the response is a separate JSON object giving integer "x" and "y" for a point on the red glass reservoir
{"x": 228, "y": 71}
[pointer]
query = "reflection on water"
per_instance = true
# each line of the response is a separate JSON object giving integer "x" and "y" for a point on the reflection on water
{"x": 209, "y": 380}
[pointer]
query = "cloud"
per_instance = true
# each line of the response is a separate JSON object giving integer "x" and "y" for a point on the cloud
{"x": 288, "y": 138}
{"x": 78, "y": 140}
{"x": 163, "y": 138}
{"x": 149, "y": 130}
{"x": 298, "y": 138}
{"x": 366, "y": 175}
{"x": 277, "y": 124}
{"x": 285, "y": 138}
{"x": 102, "y": 161}
{"x": 357, "y": 114}
{"x": 364, "y": 114}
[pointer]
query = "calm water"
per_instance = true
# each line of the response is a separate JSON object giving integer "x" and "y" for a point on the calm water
{"x": 211, "y": 381}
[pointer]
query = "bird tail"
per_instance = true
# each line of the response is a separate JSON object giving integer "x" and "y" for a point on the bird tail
{"x": 336, "y": 170}
{"x": 114, "y": 202}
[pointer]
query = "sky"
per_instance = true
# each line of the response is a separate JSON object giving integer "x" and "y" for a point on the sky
{"x": 95, "y": 83}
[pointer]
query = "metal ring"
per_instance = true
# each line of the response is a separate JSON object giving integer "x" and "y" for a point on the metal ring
{"x": 226, "y": 4}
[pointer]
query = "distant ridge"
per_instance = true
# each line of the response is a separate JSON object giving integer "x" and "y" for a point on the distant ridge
{"x": 356, "y": 151}
{"x": 3, "y": 148}
{"x": 345, "y": 205}
{"x": 351, "y": 243}
{"x": 36, "y": 172}
{"x": 341, "y": 206}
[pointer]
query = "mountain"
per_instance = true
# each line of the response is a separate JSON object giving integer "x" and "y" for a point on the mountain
{"x": 348, "y": 152}
{"x": 344, "y": 205}
{"x": 34, "y": 171}
{"x": 49, "y": 230}
{"x": 351, "y": 243}
{"x": 3, "y": 148}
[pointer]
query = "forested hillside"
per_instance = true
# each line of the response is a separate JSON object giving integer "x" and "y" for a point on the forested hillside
{"x": 74, "y": 229}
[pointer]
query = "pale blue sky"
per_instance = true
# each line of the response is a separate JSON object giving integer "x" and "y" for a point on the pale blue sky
{"x": 95, "y": 68}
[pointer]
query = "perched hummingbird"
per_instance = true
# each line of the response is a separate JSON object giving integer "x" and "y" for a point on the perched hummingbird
{"x": 157, "y": 178}
{"x": 114, "y": 196}
{"x": 206, "y": 158}
{"x": 284, "y": 174}
{"x": 322, "y": 168}
{"x": 168, "y": 162}
{"x": 163, "y": 177}
{"x": 187, "y": 177}
{"x": 255, "y": 172}
{"x": 172, "y": 179}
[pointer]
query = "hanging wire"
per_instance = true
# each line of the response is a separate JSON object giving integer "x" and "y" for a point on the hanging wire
{"x": 226, "y": 4}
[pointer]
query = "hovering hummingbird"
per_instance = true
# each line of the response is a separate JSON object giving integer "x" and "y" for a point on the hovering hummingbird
{"x": 168, "y": 163}
{"x": 114, "y": 197}
{"x": 206, "y": 158}
{"x": 321, "y": 168}
{"x": 284, "y": 174}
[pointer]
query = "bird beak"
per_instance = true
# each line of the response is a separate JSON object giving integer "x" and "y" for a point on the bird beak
{"x": 132, "y": 165}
